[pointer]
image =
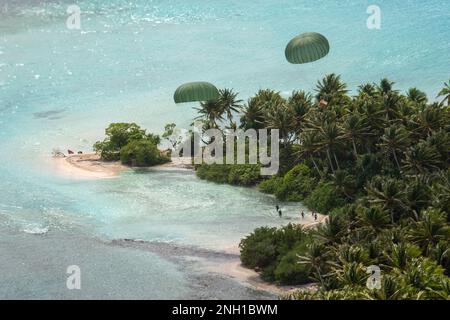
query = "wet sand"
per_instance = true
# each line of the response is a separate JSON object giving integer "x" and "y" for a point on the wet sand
{"x": 216, "y": 263}
{"x": 87, "y": 166}
{"x": 90, "y": 166}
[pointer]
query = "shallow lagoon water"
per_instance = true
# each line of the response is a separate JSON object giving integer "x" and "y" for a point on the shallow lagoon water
{"x": 60, "y": 88}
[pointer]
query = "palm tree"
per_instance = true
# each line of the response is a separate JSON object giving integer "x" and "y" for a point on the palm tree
{"x": 367, "y": 90}
{"x": 229, "y": 103}
{"x": 300, "y": 104}
{"x": 331, "y": 231}
{"x": 417, "y": 96}
{"x": 316, "y": 256}
{"x": 211, "y": 112}
{"x": 281, "y": 117}
{"x": 344, "y": 183}
{"x": 441, "y": 254}
{"x": 399, "y": 255}
{"x": 351, "y": 274}
{"x": 309, "y": 145}
{"x": 443, "y": 292}
{"x": 330, "y": 141}
{"x": 253, "y": 116}
{"x": 421, "y": 278}
{"x": 388, "y": 194}
{"x": 429, "y": 230}
{"x": 258, "y": 106}
{"x": 331, "y": 89}
{"x": 372, "y": 113}
{"x": 394, "y": 141}
{"x": 422, "y": 158}
{"x": 389, "y": 99}
{"x": 441, "y": 193}
{"x": 417, "y": 195}
{"x": 390, "y": 104}
{"x": 440, "y": 141}
{"x": 445, "y": 92}
{"x": 350, "y": 253}
{"x": 374, "y": 218}
{"x": 385, "y": 87}
{"x": 265, "y": 95}
{"x": 355, "y": 129}
{"x": 390, "y": 290}
{"x": 429, "y": 120}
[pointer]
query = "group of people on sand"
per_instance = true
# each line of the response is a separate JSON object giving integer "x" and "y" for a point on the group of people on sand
{"x": 280, "y": 213}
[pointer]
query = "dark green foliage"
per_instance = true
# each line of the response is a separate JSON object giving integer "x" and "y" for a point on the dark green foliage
{"x": 378, "y": 164}
{"x": 270, "y": 185}
{"x": 273, "y": 252}
{"x": 324, "y": 198}
{"x": 141, "y": 153}
{"x": 289, "y": 271}
{"x": 108, "y": 152}
{"x": 131, "y": 145}
{"x": 259, "y": 249}
{"x": 118, "y": 135}
{"x": 245, "y": 174}
{"x": 367, "y": 166}
{"x": 214, "y": 172}
{"x": 296, "y": 184}
{"x": 238, "y": 174}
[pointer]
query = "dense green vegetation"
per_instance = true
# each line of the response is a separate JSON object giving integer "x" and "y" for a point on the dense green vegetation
{"x": 377, "y": 163}
{"x": 239, "y": 174}
{"x": 131, "y": 145}
{"x": 273, "y": 252}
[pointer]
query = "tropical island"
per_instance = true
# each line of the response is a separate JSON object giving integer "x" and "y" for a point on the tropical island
{"x": 377, "y": 164}
{"x": 348, "y": 197}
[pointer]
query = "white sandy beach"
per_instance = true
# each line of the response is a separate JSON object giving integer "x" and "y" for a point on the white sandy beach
{"x": 90, "y": 166}
{"x": 87, "y": 166}
{"x": 235, "y": 270}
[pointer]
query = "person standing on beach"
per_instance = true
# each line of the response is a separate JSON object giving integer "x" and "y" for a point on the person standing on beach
{"x": 280, "y": 214}
{"x": 303, "y": 214}
{"x": 315, "y": 216}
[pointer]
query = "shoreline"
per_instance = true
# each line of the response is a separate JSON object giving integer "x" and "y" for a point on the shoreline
{"x": 90, "y": 166}
{"x": 250, "y": 277}
{"x": 218, "y": 262}
{"x": 87, "y": 166}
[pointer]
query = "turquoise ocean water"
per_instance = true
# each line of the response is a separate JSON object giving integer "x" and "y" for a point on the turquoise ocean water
{"x": 61, "y": 87}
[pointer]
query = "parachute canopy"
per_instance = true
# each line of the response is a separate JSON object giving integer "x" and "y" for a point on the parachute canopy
{"x": 195, "y": 91}
{"x": 307, "y": 47}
